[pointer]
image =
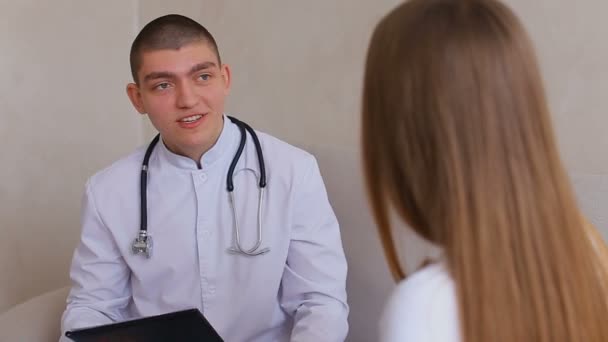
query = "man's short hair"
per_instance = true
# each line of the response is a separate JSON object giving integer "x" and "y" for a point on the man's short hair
{"x": 171, "y": 31}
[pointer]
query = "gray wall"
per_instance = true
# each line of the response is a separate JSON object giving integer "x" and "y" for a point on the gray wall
{"x": 297, "y": 70}
{"x": 63, "y": 115}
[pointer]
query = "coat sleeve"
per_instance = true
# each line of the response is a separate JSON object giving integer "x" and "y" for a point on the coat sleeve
{"x": 99, "y": 275}
{"x": 314, "y": 280}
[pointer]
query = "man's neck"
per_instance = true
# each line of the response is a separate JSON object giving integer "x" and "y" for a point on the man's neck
{"x": 197, "y": 153}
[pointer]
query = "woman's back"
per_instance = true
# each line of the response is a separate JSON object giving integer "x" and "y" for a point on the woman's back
{"x": 422, "y": 308}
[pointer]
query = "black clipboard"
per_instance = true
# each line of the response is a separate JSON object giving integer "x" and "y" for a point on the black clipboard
{"x": 186, "y": 325}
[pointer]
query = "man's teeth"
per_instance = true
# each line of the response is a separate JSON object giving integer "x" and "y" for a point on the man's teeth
{"x": 191, "y": 118}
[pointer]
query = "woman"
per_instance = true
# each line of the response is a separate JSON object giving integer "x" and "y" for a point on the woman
{"x": 457, "y": 139}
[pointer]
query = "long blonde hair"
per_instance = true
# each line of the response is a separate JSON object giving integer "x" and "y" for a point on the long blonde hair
{"x": 457, "y": 138}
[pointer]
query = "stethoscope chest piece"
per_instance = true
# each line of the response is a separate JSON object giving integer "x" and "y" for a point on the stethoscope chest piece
{"x": 143, "y": 244}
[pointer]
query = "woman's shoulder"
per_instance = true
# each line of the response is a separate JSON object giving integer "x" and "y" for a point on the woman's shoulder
{"x": 422, "y": 308}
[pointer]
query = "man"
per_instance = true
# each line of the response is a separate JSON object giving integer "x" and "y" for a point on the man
{"x": 295, "y": 291}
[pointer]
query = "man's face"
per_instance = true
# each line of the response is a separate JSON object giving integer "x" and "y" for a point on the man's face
{"x": 183, "y": 93}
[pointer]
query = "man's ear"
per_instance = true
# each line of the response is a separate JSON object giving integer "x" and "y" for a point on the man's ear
{"x": 227, "y": 75}
{"x": 135, "y": 97}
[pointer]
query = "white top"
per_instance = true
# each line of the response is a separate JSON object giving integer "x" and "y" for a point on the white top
{"x": 297, "y": 289}
{"x": 422, "y": 308}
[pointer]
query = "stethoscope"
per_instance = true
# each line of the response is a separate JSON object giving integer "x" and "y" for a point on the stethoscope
{"x": 143, "y": 242}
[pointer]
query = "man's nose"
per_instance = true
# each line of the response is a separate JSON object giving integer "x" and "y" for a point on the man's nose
{"x": 186, "y": 96}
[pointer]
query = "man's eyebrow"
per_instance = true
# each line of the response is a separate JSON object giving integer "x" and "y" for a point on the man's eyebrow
{"x": 165, "y": 74}
{"x": 202, "y": 66}
{"x": 158, "y": 74}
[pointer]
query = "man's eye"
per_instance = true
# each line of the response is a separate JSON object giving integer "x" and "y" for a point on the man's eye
{"x": 205, "y": 77}
{"x": 162, "y": 86}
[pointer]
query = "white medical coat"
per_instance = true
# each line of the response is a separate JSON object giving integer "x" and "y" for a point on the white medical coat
{"x": 295, "y": 292}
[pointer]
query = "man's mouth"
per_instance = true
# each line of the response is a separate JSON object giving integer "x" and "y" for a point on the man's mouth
{"x": 191, "y": 119}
